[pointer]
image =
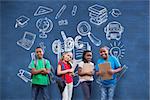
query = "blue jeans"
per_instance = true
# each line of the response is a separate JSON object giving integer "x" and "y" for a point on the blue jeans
{"x": 86, "y": 87}
{"x": 43, "y": 89}
{"x": 107, "y": 93}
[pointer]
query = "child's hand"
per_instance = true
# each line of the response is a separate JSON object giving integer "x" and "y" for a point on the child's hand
{"x": 43, "y": 69}
{"x": 70, "y": 70}
{"x": 111, "y": 72}
{"x": 101, "y": 72}
{"x": 91, "y": 73}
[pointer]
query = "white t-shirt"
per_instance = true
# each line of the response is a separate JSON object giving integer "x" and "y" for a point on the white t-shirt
{"x": 86, "y": 67}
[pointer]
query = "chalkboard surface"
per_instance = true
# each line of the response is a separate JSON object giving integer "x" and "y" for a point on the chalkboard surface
{"x": 74, "y": 25}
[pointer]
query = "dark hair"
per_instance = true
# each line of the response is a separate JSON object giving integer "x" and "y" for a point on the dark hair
{"x": 38, "y": 47}
{"x": 83, "y": 56}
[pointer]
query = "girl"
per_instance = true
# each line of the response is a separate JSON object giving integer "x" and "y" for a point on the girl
{"x": 66, "y": 74}
{"x": 86, "y": 72}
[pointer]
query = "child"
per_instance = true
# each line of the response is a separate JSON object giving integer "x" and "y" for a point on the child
{"x": 86, "y": 72}
{"x": 108, "y": 86}
{"x": 66, "y": 74}
{"x": 40, "y": 68}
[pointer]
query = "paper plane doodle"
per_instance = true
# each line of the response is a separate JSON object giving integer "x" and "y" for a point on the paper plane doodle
{"x": 42, "y": 10}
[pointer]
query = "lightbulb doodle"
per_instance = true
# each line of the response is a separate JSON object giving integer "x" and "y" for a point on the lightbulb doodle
{"x": 113, "y": 30}
{"x": 117, "y": 50}
{"x": 22, "y": 21}
{"x": 44, "y": 25}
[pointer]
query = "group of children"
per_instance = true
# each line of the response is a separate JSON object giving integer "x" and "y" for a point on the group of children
{"x": 86, "y": 70}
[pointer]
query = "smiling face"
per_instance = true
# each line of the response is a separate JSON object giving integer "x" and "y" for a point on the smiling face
{"x": 104, "y": 53}
{"x": 39, "y": 53}
{"x": 67, "y": 56}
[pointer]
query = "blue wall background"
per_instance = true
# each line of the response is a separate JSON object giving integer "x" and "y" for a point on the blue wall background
{"x": 134, "y": 85}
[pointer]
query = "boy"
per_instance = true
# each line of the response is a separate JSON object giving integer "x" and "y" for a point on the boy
{"x": 108, "y": 86}
{"x": 40, "y": 68}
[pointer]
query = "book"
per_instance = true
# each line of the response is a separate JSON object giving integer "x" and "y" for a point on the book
{"x": 105, "y": 67}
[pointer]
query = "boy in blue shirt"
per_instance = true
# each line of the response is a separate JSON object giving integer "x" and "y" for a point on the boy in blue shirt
{"x": 108, "y": 86}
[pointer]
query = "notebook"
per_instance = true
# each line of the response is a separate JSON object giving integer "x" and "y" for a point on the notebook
{"x": 105, "y": 67}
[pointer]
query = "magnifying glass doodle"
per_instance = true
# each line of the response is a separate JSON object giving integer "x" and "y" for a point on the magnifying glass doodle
{"x": 84, "y": 29}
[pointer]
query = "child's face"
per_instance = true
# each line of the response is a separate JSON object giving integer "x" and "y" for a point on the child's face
{"x": 88, "y": 56}
{"x": 39, "y": 53}
{"x": 68, "y": 56}
{"x": 104, "y": 53}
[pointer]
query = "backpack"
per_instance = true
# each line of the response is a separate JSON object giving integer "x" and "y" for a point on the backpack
{"x": 60, "y": 82}
{"x": 44, "y": 61}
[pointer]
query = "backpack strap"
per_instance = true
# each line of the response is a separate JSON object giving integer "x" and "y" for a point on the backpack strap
{"x": 44, "y": 61}
{"x": 35, "y": 62}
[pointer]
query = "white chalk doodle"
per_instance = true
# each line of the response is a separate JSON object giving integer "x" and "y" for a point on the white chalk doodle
{"x": 113, "y": 30}
{"x": 68, "y": 42}
{"x": 63, "y": 22}
{"x": 117, "y": 49}
{"x": 21, "y": 21}
{"x": 122, "y": 72}
{"x": 62, "y": 9}
{"x": 44, "y": 25}
{"x": 27, "y": 41}
{"x": 84, "y": 29}
{"x": 42, "y": 45}
{"x": 74, "y": 10}
{"x": 24, "y": 75}
{"x": 78, "y": 44}
{"x": 79, "y": 52}
{"x": 42, "y": 10}
{"x": 33, "y": 56}
{"x": 57, "y": 49}
{"x": 115, "y": 12}
{"x": 98, "y": 14}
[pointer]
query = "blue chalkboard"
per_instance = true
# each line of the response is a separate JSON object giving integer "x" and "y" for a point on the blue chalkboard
{"x": 122, "y": 25}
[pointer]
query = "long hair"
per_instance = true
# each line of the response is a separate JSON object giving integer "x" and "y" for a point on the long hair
{"x": 83, "y": 56}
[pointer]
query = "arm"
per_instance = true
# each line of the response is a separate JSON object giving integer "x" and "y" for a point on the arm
{"x": 60, "y": 72}
{"x": 47, "y": 68}
{"x": 118, "y": 67}
{"x": 34, "y": 71}
{"x": 81, "y": 73}
{"x": 115, "y": 71}
{"x": 46, "y": 71}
